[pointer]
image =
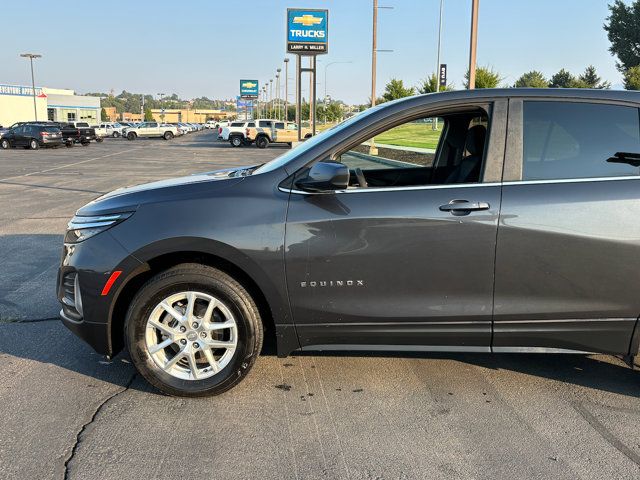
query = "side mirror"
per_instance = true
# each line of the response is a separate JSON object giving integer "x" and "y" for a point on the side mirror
{"x": 325, "y": 177}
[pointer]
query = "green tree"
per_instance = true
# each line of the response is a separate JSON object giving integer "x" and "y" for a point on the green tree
{"x": 148, "y": 116}
{"x": 532, "y": 79}
{"x": 432, "y": 85}
{"x": 486, "y": 77}
{"x": 632, "y": 78}
{"x": 623, "y": 29}
{"x": 592, "y": 80}
{"x": 562, "y": 79}
{"x": 395, "y": 89}
{"x": 103, "y": 115}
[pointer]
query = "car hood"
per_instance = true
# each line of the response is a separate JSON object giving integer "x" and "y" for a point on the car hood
{"x": 192, "y": 186}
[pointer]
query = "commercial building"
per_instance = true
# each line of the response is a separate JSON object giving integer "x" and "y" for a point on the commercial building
{"x": 198, "y": 115}
{"x": 60, "y": 105}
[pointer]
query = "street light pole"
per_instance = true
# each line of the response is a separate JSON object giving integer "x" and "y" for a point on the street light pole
{"x": 161, "y": 108}
{"x": 278, "y": 70}
{"x": 325, "y": 86}
{"x": 374, "y": 46}
{"x": 31, "y": 56}
{"x": 474, "y": 43}
{"x": 270, "y": 97}
{"x": 286, "y": 89}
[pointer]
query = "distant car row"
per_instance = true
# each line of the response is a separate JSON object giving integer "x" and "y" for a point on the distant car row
{"x": 34, "y": 135}
{"x": 262, "y": 132}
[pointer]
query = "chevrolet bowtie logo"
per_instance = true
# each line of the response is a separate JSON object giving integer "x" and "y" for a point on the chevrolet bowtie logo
{"x": 307, "y": 20}
{"x": 248, "y": 85}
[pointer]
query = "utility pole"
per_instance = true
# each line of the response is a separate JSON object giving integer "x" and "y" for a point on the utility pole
{"x": 286, "y": 89}
{"x": 474, "y": 43}
{"x": 437, "y": 73}
{"x": 31, "y": 56}
{"x": 373, "y": 150}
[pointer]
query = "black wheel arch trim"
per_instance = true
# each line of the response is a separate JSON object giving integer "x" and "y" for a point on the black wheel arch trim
{"x": 188, "y": 248}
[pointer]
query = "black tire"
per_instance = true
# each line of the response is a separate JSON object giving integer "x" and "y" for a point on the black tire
{"x": 85, "y": 144}
{"x": 131, "y": 136}
{"x": 195, "y": 277}
{"x": 308, "y": 135}
{"x": 68, "y": 144}
{"x": 34, "y": 144}
{"x": 99, "y": 140}
{"x": 262, "y": 142}
{"x": 168, "y": 135}
{"x": 236, "y": 141}
{"x": 115, "y": 134}
{"x": 5, "y": 144}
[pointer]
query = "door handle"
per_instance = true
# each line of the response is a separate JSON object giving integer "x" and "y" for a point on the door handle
{"x": 463, "y": 207}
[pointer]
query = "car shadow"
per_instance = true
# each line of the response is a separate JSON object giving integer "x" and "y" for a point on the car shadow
{"x": 599, "y": 372}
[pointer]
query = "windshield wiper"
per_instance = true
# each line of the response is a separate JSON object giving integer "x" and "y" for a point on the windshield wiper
{"x": 629, "y": 158}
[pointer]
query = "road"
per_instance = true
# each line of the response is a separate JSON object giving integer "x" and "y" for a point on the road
{"x": 69, "y": 413}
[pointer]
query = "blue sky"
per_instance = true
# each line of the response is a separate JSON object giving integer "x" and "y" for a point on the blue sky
{"x": 196, "y": 48}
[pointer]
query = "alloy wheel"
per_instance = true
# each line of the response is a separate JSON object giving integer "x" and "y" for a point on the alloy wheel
{"x": 191, "y": 335}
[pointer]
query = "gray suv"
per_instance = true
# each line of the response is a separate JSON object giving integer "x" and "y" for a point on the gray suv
{"x": 476, "y": 221}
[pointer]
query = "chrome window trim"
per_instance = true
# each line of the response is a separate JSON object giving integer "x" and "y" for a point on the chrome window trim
{"x": 571, "y": 180}
{"x": 394, "y": 189}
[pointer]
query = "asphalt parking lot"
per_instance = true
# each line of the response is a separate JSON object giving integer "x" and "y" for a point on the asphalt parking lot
{"x": 69, "y": 413}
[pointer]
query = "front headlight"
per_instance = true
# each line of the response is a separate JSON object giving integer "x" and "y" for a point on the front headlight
{"x": 81, "y": 228}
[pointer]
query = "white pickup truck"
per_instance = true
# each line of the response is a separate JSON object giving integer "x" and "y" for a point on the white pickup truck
{"x": 151, "y": 129}
{"x": 235, "y": 133}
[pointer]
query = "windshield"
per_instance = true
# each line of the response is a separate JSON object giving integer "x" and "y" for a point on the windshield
{"x": 313, "y": 141}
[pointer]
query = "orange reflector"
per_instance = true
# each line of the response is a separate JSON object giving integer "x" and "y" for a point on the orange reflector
{"x": 112, "y": 279}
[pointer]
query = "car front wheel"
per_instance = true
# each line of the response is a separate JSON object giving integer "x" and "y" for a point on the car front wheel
{"x": 5, "y": 144}
{"x": 115, "y": 135}
{"x": 131, "y": 136}
{"x": 262, "y": 142}
{"x": 193, "y": 331}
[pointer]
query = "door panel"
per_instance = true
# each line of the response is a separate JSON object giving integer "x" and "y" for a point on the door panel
{"x": 568, "y": 251}
{"x": 390, "y": 268}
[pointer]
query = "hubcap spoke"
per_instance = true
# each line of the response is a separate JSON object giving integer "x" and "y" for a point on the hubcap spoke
{"x": 212, "y": 361}
{"x": 192, "y": 365}
{"x": 220, "y": 325}
{"x": 172, "y": 311}
{"x": 173, "y": 361}
{"x": 220, "y": 344}
{"x": 161, "y": 345}
{"x": 162, "y": 327}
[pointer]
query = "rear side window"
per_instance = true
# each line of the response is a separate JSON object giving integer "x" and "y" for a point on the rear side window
{"x": 237, "y": 124}
{"x": 280, "y": 125}
{"x": 264, "y": 123}
{"x": 251, "y": 125}
{"x": 565, "y": 140}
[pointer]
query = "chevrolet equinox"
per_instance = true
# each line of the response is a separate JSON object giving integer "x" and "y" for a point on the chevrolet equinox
{"x": 475, "y": 221}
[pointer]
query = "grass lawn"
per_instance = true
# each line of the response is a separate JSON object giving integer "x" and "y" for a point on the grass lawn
{"x": 418, "y": 135}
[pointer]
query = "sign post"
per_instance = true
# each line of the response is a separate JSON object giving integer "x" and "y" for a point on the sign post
{"x": 307, "y": 35}
{"x": 249, "y": 90}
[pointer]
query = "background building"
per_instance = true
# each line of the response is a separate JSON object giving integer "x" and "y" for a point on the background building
{"x": 187, "y": 115}
{"x": 55, "y": 104}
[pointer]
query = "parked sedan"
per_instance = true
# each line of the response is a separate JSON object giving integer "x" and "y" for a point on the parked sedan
{"x": 513, "y": 228}
{"x": 33, "y": 136}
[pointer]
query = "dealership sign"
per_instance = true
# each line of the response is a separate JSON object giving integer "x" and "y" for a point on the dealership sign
{"x": 249, "y": 88}
{"x": 19, "y": 90}
{"x": 307, "y": 31}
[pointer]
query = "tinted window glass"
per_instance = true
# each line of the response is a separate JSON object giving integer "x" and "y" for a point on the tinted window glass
{"x": 251, "y": 125}
{"x": 579, "y": 140}
{"x": 237, "y": 124}
{"x": 264, "y": 123}
{"x": 280, "y": 125}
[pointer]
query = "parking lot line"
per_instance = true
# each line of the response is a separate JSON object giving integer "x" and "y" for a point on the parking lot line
{"x": 71, "y": 164}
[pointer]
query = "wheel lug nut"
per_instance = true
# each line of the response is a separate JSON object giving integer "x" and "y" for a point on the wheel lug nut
{"x": 203, "y": 334}
{"x": 183, "y": 329}
{"x": 183, "y": 341}
{"x": 196, "y": 345}
{"x": 195, "y": 324}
